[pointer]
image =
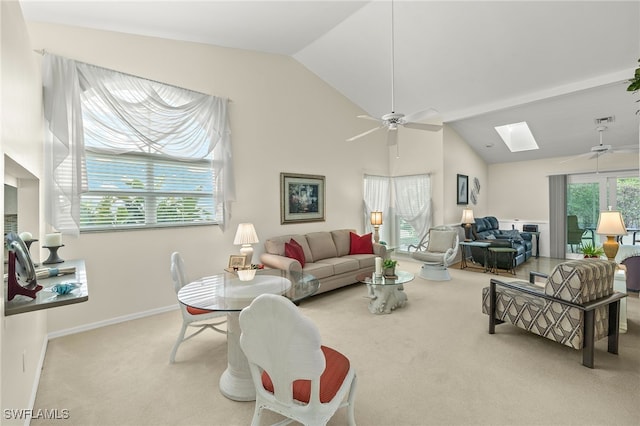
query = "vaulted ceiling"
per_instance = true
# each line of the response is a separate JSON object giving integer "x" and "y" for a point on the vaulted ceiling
{"x": 558, "y": 65}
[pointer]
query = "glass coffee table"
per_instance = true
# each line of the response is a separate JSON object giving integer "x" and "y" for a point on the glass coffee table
{"x": 386, "y": 293}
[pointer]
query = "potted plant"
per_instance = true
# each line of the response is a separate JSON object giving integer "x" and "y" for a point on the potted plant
{"x": 389, "y": 267}
{"x": 591, "y": 251}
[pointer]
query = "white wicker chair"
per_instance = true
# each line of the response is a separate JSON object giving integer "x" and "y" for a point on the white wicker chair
{"x": 192, "y": 317}
{"x": 293, "y": 374}
{"x": 437, "y": 250}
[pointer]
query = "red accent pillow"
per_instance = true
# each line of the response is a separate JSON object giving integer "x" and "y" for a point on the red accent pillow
{"x": 293, "y": 250}
{"x": 361, "y": 244}
{"x": 337, "y": 368}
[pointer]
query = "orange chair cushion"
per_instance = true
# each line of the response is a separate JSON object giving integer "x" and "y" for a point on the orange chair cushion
{"x": 337, "y": 367}
{"x": 196, "y": 311}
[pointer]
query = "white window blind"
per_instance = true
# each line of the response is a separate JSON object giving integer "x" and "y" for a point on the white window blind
{"x": 132, "y": 191}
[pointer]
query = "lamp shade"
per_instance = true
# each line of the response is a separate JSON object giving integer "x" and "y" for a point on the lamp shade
{"x": 246, "y": 234}
{"x": 376, "y": 218}
{"x": 467, "y": 216}
{"x": 611, "y": 223}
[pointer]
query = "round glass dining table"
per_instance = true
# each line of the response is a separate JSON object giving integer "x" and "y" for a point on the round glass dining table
{"x": 232, "y": 292}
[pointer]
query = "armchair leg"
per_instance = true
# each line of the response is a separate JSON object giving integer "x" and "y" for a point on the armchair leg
{"x": 587, "y": 350}
{"x": 492, "y": 307}
{"x": 614, "y": 327}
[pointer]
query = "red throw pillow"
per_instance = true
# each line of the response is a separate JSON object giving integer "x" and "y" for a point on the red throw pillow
{"x": 293, "y": 250}
{"x": 361, "y": 244}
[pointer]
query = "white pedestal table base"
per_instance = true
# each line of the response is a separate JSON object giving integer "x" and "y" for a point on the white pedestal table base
{"x": 236, "y": 382}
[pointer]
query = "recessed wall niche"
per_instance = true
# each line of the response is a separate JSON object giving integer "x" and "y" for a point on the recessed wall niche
{"x": 21, "y": 202}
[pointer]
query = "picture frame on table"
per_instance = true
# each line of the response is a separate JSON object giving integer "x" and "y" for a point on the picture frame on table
{"x": 237, "y": 261}
{"x": 302, "y": 198}
{"x": 462, "y": 196}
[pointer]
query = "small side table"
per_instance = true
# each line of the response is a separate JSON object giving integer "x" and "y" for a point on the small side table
{"x": 386, "y": 294}
{"x": 494, "y": 258}
{"x": 463, "y": 253}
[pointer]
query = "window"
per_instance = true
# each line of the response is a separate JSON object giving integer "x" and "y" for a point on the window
{"x": 125, "y": 152}
{"x": 407, "y": 235}
{"x": 409, "y": 219}
{"x": 589, "y": 194}
{"x": 132, "y": 191}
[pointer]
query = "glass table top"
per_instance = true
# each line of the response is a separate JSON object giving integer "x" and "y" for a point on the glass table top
{"x": 232, "y": 292}
{"x": 402, "y": 277}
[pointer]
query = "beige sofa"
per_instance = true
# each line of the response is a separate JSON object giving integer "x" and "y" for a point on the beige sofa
{"x": 326, "y": 257}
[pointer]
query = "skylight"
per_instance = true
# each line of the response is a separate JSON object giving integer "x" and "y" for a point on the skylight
{"x": 517, "y": 137}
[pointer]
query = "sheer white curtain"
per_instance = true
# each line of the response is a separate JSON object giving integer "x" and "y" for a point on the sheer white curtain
{"x": 152, "y": 118}
{"x": 413, "y": 201}
{"x": 64, "y": 162}
{"x": 377, "y": 193}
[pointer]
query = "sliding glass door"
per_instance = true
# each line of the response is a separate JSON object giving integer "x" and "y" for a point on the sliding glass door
{"x": 589, "y": 194}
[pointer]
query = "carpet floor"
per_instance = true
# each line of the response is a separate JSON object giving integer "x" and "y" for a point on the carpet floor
{"x": 431, "y": 362}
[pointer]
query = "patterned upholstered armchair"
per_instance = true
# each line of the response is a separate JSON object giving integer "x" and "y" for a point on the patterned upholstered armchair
{"x": 576, "y": 307}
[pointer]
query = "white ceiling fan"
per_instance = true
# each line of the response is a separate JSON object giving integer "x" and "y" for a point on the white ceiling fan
{"x": 601, "y": 149}
{"x": 392, "y": 120}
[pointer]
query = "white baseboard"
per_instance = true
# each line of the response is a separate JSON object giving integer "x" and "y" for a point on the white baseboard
{"x": 111, "y": 321}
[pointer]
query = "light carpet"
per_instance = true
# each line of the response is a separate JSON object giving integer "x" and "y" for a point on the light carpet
{"x": 431, "y": 362}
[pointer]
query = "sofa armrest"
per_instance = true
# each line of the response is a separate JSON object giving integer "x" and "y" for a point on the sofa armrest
{"x": 280, "y": 262}
{"x": 380, "y": 250}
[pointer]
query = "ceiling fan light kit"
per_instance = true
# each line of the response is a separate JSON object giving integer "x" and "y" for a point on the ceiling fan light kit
{"x": 392, "y": 120}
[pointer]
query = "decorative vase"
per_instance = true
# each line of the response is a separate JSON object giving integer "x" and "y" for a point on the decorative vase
{"x": 390, "y": 272}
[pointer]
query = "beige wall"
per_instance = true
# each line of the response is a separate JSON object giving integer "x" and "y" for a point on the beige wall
{"x": 459, "y": 158}
{"x": 22, "y": 337}
{"x": 283, "y": 119}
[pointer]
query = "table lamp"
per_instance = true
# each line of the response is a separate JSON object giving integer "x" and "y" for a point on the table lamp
{"x": 467, "y": 220}
{"x": 376, "y": 221}
{"x": 611, "y": 224}
{"x": 245, "y": 236}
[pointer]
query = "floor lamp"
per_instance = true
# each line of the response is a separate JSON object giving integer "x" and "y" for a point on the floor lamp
{"x": 376, "y": 221}
{"x": 611, "y": 224}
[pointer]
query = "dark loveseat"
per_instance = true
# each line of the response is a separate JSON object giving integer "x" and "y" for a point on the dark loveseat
{"x": 487, "y": 229}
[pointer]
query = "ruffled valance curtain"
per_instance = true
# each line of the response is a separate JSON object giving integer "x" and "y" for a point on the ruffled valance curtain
{"x": 100, "y": 110}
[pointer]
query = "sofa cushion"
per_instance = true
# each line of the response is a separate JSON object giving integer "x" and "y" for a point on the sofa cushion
{"x": 364, "y": 260}
{"x": 361, "y": 244}
{"x": 321, "y": 245}
{"x": 440, "y": 240}
{"x": 276, "y": 245}
{"x": 319, "y": 270}
{"x": 341, "y": 264}
{"x": 514, "y": 234}
{"x": 342, "y": 239}
{"x": 293, "y": 250}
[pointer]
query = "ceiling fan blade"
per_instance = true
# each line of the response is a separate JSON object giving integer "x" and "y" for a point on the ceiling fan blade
{"x": 392, "y": 137}
{"x": 423, "y": 126}
{"x": 421, "y": 115}
{"x": 368, "y": 117}
{"x": 364, "y": 134}
{"x": 575, "y": 157}
{"x": 625, "y": 149}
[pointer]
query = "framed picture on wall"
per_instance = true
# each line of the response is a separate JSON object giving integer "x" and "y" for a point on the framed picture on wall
{"x": 301, "y": 198}
{"x": 463, "y": 189}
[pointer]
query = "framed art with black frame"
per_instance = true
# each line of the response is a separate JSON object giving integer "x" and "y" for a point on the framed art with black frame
{"x": 462, "y": 196}
{"x": 301, "y": 198}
